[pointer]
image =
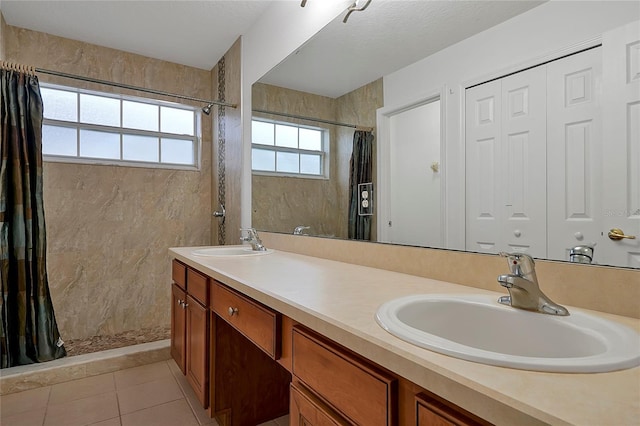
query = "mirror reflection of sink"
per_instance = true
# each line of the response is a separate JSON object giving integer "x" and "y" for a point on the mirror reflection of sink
{"x": 477, "y": 328}
{"x": 235, "y": 251}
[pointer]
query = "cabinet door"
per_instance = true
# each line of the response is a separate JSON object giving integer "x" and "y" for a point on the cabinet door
{"x": 197, "y": 362}
{"x": 178, "y": 337}
{"x": 306, "y": 410}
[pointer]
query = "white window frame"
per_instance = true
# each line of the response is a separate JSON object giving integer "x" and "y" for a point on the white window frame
{"x": 196, "y": 138}
{"x": 324, "y": 152}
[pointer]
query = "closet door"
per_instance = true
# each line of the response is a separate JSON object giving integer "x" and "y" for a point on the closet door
{"x": 574, "y": 144}
{"x": 524, "y": 161}
{"x": 506, "y": 164}
{"x": 484, "y": 206}
{"x": 621, "y": 123}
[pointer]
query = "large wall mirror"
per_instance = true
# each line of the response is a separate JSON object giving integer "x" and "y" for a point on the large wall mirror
{"x": 493, "y": 126}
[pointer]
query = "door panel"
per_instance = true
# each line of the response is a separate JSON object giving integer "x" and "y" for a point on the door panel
{"x": 621, "y": 125}
{"x": 484, "y": 215}
{"x": 178, "y": 339}
{"x": 524, "y": 162}
{"x": 197, "y": 364}
{"x": 506, "y": 164}
{"x": 574, "y": 143}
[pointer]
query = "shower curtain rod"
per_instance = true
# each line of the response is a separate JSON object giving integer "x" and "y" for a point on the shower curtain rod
{"x": 317, "y": 120}
{"x": 129, "y": 87}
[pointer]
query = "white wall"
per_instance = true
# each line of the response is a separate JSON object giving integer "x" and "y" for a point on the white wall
{"x": 542, "y": 31}
{"x": 283, "y": 28}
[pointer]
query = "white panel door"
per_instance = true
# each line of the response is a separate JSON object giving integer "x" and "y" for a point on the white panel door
{"x": 621, "y": 127}
{"x": 484, "y": 215}
{"x": 414, "y": 188}
{"x": 574, "y": 152}
{"x": 523, "y": 167}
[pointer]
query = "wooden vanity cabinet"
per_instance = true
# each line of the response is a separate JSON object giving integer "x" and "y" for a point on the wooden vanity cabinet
{"x": 190, "y": 327}
{"x": 248, "y": 386}
{"x": 250, "y": 364}
{"x": 360, "y": 392}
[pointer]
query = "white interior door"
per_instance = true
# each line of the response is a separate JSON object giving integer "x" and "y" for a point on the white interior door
{"x": 621, "y": 127}
{"x": 484, "y": 215}
{"x": 574, "y": 148}
{"x": 414, "y": 192}
{"x": 506, "y": 164}
{"x": 524, "y": 162}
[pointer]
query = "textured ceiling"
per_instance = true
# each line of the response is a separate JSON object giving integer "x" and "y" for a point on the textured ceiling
{"x": 387, "y": 36}
{"x": 194, "y": 33}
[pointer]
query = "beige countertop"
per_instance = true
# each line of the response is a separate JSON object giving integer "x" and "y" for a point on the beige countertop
{"x": 339, "y": 300}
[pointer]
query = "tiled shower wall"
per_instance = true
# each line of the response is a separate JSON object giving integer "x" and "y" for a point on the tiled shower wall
{"x": 109, "y": 227}
{"x": 227, "y": 148}
{"x": 2, "y": 31}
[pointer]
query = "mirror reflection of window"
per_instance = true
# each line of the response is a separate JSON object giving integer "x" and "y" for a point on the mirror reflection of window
{"x": 288, "y": 149}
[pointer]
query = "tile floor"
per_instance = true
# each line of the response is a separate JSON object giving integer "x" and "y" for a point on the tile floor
{"x": 154, "y": 395}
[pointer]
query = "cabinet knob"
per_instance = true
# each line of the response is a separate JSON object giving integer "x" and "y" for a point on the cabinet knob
{"x": 232, "y": 311}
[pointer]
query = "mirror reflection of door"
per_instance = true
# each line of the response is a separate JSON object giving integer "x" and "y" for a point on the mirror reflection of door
{"x": 621, "y": 125}
{"x": 414, "y": 191}
{"x": 592, "y": 164}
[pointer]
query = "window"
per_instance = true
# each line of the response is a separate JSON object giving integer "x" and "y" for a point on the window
{"x": 87, "y": 126}
{"x": 288, "y": 149}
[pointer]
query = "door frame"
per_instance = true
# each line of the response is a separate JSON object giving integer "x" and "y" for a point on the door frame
{"x": 383, "y": 164}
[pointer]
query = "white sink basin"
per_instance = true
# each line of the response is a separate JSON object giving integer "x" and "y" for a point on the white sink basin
{"x": 478, "y": 328}
{"x": 235, "y": 251}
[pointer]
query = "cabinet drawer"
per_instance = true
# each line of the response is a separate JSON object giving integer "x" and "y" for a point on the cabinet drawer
{"x": 305, "y": 409}
{"x": 362, "y": 392}
{"x": 432, "y": 410}
{"x": 258, "y": 323}
{"x": 179, "y": 274}
{"x": 198, "y": 286}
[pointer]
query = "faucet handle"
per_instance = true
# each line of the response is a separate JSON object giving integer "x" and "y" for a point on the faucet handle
{"x": 519, "y": 263}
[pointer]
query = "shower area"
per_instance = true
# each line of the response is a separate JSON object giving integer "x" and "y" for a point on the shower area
{"x": 109, "y": 226}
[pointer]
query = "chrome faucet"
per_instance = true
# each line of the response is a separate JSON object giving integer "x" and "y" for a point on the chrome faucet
{"x": 581, "y": 254}
{"x": 300, "y": 229}
{"x": 522, "y": 283}
{"x": 253, "y": 239}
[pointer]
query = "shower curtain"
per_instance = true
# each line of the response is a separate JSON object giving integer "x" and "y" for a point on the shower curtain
{"x": 28, "y": 329}
{"x": 360, "y": 172}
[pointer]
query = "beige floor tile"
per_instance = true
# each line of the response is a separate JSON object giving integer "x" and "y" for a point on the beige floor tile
{"x": 269, "y": 423}
{"x": 143, "y": 374}
{"x": 33, "y": 417}
{"x": 83, "y": 411}
{"x": 202, "y": 415}
{"x": 81, "y": 388}
{"x": 147, "y": 395}
{"x": 23, "y": 401}
{"x": 176, "y": 413}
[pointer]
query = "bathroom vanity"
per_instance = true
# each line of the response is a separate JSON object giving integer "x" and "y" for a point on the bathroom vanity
{"x": 262, "y": 336}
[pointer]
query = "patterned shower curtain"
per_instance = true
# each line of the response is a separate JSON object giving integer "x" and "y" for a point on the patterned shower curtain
{"x": 360, "y": 172}
{"x": 28, "y": 329}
